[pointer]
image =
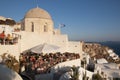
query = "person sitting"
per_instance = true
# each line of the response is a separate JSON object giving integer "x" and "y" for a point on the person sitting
{"x": 9, "y": 39}
{"x": 2, "y": 37}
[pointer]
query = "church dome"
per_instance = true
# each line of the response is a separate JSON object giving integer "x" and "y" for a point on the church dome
{"x": 37, "y": 13}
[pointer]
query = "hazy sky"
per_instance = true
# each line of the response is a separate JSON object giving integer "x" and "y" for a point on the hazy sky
{"x": 88, "y": 20}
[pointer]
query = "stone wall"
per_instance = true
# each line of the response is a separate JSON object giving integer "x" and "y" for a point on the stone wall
{"x": 69, "y": 63}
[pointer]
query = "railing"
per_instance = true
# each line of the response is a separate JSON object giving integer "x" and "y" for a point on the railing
{"x": 10, "y": 40}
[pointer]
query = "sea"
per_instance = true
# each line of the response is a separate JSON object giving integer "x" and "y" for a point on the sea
{"x": 115, "y": 45}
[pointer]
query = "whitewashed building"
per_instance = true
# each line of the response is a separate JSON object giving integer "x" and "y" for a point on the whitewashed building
{"x": 108, "y": 70}
{"x": 37, "y": 27}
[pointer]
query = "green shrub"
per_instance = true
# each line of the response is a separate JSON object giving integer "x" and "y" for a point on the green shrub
{"x": 96, "y": 77}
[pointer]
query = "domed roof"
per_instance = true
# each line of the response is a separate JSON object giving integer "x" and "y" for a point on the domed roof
{"x": 37, "y": 13}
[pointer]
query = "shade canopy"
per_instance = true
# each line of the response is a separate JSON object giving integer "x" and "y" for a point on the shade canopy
{"x": 7, "y": 74}
{"x": 45, "y": 48}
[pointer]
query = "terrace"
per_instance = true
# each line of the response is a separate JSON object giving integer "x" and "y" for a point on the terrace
{"x": 8, "y": 39}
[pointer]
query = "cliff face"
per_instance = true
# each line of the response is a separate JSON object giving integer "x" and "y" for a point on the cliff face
{"x": 96, "y": 50}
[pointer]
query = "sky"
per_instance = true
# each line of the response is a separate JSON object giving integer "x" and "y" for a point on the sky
{"x": 87, "y": 20}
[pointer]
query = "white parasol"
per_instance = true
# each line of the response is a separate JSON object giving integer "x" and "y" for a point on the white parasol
{"x": 45, "y": 48}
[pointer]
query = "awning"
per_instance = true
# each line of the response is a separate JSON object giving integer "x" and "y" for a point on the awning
{"x": 45, "y": 48}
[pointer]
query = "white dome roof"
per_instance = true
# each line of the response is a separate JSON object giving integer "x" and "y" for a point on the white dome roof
{"x": 37, "y": 13}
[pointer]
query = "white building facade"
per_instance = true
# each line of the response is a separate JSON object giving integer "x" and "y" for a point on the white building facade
{"x": 37, "y": 27}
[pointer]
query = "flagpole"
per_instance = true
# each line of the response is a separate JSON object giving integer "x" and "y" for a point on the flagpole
{"x": 59, "y": 26}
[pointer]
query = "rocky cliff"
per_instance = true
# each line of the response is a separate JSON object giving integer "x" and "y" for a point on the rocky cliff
{"x": 98, "y": 51}
{"x": 95, "y": 49}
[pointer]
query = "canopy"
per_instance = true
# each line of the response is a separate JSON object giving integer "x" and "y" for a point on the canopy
{"x": 45, "y": 48}
{"x": 7, "y": 74}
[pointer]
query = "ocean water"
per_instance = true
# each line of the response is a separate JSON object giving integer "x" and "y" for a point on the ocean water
{"x": 114, "y": 45}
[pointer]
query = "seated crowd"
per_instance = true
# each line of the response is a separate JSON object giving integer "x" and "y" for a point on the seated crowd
{"x": 39, "y": 63}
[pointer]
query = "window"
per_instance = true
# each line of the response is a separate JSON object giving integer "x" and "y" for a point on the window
{"x": 22, "y": 27}
{"x": 45, "y": 28}
{"x": 32, "y": 26}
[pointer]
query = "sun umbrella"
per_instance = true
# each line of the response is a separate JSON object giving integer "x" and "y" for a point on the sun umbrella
{"x": 45, "y": 48}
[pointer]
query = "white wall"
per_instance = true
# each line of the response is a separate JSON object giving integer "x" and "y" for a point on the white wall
{"x": 8, "y": 29}
{"x": 61, "y": 41}
{"x": 82, "y": 71}
{"x": 70, "y": 63}
{"x": 30, "y": 39}
{"x": 38, "y": 24}
{"x": 10, "y": 49}
{"x": 74, "y": 47}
